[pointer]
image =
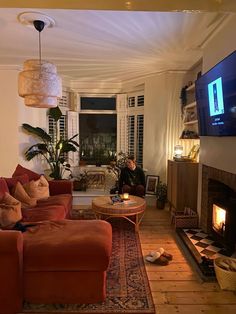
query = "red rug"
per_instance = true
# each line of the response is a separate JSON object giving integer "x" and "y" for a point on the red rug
{"x": 128, "y": 288}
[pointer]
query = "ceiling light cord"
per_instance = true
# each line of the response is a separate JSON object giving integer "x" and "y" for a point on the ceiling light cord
{"x": 39, "y": 26}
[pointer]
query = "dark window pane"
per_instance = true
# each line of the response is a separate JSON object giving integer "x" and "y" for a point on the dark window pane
{"x": 98, "y": 103}
{"x": 97, "y": 138}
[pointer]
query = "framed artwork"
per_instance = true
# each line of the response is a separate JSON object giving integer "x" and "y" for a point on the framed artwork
{"x": 151, "y": 184}
{"x": 194, "y": 152}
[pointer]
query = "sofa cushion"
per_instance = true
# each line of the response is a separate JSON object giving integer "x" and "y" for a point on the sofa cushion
{"x": 38, "y": 189}
{"x": 21, "y": 195}
{"x": 68, "y": 245}
{"x": 11, "y": 182}
{"x": 3, "y": 188}
{"x": 10, "y": 211}
{"x": 42, "y": 213}
{"x": 22, "y": 170}
{"x": 62, "y": 199}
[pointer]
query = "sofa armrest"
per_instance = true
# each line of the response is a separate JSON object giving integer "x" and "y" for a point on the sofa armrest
{"x": 60, "y": 187}
{"x": 11, "y": 271}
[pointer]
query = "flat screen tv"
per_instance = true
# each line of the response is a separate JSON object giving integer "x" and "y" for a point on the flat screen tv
{"x": 216, "y": 99}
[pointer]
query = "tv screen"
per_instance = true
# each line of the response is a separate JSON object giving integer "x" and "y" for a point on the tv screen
{"x": 216, "y": 99}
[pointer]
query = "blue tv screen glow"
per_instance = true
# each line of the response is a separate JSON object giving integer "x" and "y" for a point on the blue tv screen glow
{"x": 216, "y": 99}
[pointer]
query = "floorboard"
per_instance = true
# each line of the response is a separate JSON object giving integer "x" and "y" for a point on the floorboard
{"x": 177, "y": 288}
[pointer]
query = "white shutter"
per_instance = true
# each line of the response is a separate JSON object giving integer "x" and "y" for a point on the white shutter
{"x": 72, "y": 129}
{"x": 121, "y": 107}
{"x": 131, "y": 135}
{"x": 64, "y": 101}
{"x": 139, "y": 143}
{"x": 135, "y": 125}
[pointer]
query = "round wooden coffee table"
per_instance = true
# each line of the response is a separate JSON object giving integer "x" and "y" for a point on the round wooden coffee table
{"x": 103, "y": 208}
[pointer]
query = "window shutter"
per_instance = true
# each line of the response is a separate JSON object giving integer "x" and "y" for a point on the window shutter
{"x": 60, "y": 128}
{"x": 72, "y": 129}
{"x": 136, "y": 125}
{"x": 140, "y": 100}
{"x": 64, "y": 101}
{"x": 131, "y": 101}
{"x": 121, "y": 108}
{"x": 139, "y": 152}
{"x": 131, "y": 135}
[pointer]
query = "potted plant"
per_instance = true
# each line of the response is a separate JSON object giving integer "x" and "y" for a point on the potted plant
{"x": 161, "y": 194}
{"x": 53, "y": 151}
{"x": 80, "y": 181}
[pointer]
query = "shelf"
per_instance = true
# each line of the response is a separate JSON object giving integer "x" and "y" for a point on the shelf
{"x": 192, "y": 105}
{"x": 190, "y": 88}
{"x": 191, "y": 122}
{"x": 189, "y": 138}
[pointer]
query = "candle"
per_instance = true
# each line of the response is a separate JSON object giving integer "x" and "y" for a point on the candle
{"x": 126, "y": 196}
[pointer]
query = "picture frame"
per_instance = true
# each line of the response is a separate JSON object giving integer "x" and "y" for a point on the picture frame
{"x": 194, "y": 151}
{"x": 151, "y": 184}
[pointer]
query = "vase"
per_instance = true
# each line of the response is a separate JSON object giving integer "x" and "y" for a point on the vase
{"x": 160, "y": 204}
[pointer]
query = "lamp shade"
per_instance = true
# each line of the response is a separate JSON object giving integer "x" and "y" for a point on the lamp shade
{"x": 178, "y": 150}
{"x": 39, "y": 84}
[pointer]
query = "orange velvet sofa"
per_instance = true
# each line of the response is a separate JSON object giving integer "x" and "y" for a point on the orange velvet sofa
{"x": 56, "y": 207}
{"x": 54, "y": 262}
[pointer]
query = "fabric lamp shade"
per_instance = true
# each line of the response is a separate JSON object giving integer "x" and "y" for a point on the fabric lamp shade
{"x": 39, "y": 84}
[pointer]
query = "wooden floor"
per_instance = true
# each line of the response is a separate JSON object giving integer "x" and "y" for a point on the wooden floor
{"x": 177, "y": 288}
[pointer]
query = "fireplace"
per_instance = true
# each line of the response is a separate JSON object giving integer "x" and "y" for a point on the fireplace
{"x": 219, "y": 219}
{"x": 224, "y": 222}
{"x": 218, "y": 210}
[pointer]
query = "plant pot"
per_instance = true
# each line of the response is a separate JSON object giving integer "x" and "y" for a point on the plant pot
{"x": 79, "y": 185}
{"x": 160, "y": 204}
{"x": 82, "y": 162}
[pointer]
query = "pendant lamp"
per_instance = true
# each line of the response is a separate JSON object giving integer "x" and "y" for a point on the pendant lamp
{"x": 38, "y": 83}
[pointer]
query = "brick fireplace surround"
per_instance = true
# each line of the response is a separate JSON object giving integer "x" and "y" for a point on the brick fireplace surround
{"x": 224, "y": 177}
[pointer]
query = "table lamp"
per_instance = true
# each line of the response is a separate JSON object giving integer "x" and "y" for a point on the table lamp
{"x": 178, "y": 151}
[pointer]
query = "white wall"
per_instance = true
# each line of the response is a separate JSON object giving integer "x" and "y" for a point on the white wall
{"x": 219, "y": 152}
{"x": 155, "y": 113}
{"x": 8, "y": 121}
{"x": 162, "y": 122}
{"x": 13, "y": 113}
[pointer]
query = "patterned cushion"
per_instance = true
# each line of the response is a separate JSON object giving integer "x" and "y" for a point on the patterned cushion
{"x": 38, "y": 189}
{"x": 10, "y": 211}
{"x": 21, "y": 195}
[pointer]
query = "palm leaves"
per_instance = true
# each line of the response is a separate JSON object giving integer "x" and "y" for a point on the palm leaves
{"x": 53, "y": 153}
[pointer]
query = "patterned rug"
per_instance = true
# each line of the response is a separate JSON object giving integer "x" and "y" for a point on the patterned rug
{"x": 128, "y": 288}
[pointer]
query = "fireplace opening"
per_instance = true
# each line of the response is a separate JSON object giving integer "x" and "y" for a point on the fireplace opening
{"x": 222, "y": 221}
{"x": 218, "y": 219}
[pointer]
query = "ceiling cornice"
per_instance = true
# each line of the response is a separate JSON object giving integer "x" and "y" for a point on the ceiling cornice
{"x": 135, "y": 5}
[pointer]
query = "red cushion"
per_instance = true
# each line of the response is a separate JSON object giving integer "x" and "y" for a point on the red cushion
{"x": 3, "y": 188}
{"x": 61, "y": 199}
{"x": 11, "y": 182}
{"x": 21, "y": 170}
{"x": 42, "y": 213}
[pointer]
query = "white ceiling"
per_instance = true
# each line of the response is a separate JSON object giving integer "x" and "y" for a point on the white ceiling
{"x": 109, "y": 45}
